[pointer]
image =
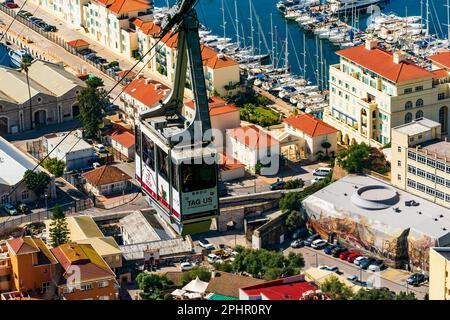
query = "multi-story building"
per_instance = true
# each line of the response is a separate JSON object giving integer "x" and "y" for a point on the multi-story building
{"x": 85, "y": 275}
{"x": 140, "y": 96}
{"x": 421, "y": 161}
{"x": 108, "y": 22}
{"x": 439, "y": 283}
{"x": 221, "y": 72}
{"x": 372, "y": 91}
{"x": 53, "y": 93}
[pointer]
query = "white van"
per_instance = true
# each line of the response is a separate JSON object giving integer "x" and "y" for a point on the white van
{"x": 212, "y": 258}
{"x": 322, "y": 172}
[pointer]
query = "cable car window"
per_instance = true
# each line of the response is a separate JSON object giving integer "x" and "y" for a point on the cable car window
{"x": 163, "y": 163}
{"x": 137, "y": 140}
{"x": 175, "y": 176}
{"x": 198, "y": 176}
{"x": 148, "y": 152}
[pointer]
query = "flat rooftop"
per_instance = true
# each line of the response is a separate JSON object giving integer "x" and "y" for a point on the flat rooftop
{"x": 71, "y": 144}
{"x": 440, "y": 148}
{"x": 381, "y": 204}
{"x": 417, "y": 126}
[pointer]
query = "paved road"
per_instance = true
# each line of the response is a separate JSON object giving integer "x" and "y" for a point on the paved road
{"x": 391, "y": 278}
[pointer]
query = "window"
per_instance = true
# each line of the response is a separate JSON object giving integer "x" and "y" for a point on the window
{"x": 440, "y": 195}
{"x": 431, "y": 162}
{"x": 440, "y": 166}
{"x": 419, "y": 103}
{"x": 419, "y": 88}
{"x": 431, "y": 177}
{"x": 440, "y": 181}
{"x": 431, "y": 191}
{"x": 399, "y": 163}
{"x": 399, "y": 177}
{"x": 420, "y": 187}
{"x": 4, "y": 199}
{"x": 419, "y": 114}
{"x": 411, "y": 169}
{"x": 25, "y": 195}
{"x": 441, "y": 96}
{"x": 411, "y": 155}
{"x": 408, "y": 117}
{"x": 407, "y": 90}
{"x": 86, "y": 286}
{"x": 148, "y": 152}
{"x": 411, "y": 183}
{"x": 198, "y": 176}
{"x": 421, "y": 173}
{"x": 162, "y": 162}
{"x": 103, "y": 284}
{"x": 45, "y": 286}
{"x": 421, "y": 158}
{"x": 408, "y": 105}
{"x": 399, "y": 149}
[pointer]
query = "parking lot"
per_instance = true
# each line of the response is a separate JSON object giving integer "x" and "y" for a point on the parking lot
{"x": 393, "y": 279}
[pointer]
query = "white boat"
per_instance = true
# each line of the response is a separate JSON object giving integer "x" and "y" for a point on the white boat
{"x": 349, "y": 5}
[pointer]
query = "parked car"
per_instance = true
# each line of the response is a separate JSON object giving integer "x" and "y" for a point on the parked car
{"x": 10, "y": 5}
{"x": 322, "y": 172}
{"x": 205, "y": 244}
{"x": 353, "y": 279}
{"x": 319, "y": 244}
{"x": 358, "y": 260}
{"x": 9, "y": 209}
{"x": 51, "y": 28}
{"x": 329, "y": 249}
{"x": 351, "y": 258}
{"x": 85, "y": 51}
{"x": 34, "y": 19}
{"x": 100, "y": 60}
{"x": 376, "y": 265}
{"x": 416, "y": 279}
{"x": 344, "y": 255}
{"x": 297, "y": 243}
{"x": 278, "y": 185}
{"x": 317, "y": 179}
{"x": 212, "y": 258}
{"x": 329, "y": 268}
{"x": 24, "y": 14}
{"x": 185, "y": 266}
{"x": 364, "y": 264}
{"x": 311, "y": 238}
{"x": 337, "y": 251}
{"x": 99, "y": 148}
{"x": 91, "y": 56}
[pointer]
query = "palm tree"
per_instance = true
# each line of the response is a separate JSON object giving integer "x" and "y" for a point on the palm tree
{"x": 24, "y": 66}
{"x": 326, "y": 145}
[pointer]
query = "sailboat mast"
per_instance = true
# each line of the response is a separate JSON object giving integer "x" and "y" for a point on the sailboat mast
{"x": 271, "y": 41}
{"x": 317, "y": 62}
{"x": 426, "y": 15}
{"x": 304, "y": 55}
{"x": 286, "y": 55}
{"x": 448, "y": 20}
{"x": 237, "y": 24}
{"x": 251, "y": 27}
{"x": 321, "y": 66}
{"x": 224, "y": 22}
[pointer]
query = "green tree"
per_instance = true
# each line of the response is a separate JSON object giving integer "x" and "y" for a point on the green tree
{"x": 291, "y": 201}
{"x": 296, "y": 220}
{"x": 354, "y": 158}
{"x": 54, "y": 166}
{"x": 200, "y": 272}
{"x": 96, "y": 82}
{"x": 374, "y": 294}
{"x": 92, "y": 101}
{"x": 407, "y": 296}
{"x": 151, "y": 285}
{"x": 295, "y": 184}
{"x": 225, "y": 267}
{"x": 326, "y": 145}
{"x": 335, "y": 289}
{"x": 36, "y": 181}
{"x": 24, "y": 66}
{"x": 59, "y": 231}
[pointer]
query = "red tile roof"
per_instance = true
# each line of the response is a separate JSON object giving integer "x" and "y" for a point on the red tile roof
{"x": 22, "y": 245}
{"x": 222, "y": 110}
{"x": 310, "y": 125}
{"x": 229, "y": 163}
{"x": 125, "y": 6}
{"x": 381, "y": 62}
{"x": 212, "y": 102}
{"x": 171, "y": 40}
{"x": 440, "y": 73}
{"x": 252, "y": 137}
{"x": 147, "y": 27}
{"x": 442, "y": 58}
{"x": 77, "y": 43}
{"x": 91, "y": 265}
{"x": 148, "y": 92}
{"x": 215, "y": 60}
{"x": 290, "y": 288}
{"x": 217, "y": 106}
{"x": 125, "y": 138}
{"x": 105, "y": 175}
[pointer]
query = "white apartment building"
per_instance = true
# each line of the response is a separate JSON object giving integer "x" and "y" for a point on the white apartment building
{"x": 372, "y": 90}
{"x": 251, "y": 145}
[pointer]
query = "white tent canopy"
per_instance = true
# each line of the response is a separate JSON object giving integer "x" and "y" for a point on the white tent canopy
{"x": 196, "y": 285}
{"x": 178, "y": 293}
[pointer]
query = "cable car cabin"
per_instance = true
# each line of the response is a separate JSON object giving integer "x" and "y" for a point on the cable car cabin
{"x": 181, "y": 184}
{"x": 175, "y": 161}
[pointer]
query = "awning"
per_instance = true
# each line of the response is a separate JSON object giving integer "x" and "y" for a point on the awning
{"x": 196, "y": 285}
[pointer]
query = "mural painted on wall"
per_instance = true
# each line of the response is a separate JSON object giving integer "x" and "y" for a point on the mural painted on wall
{"x": 400, "y": 246}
